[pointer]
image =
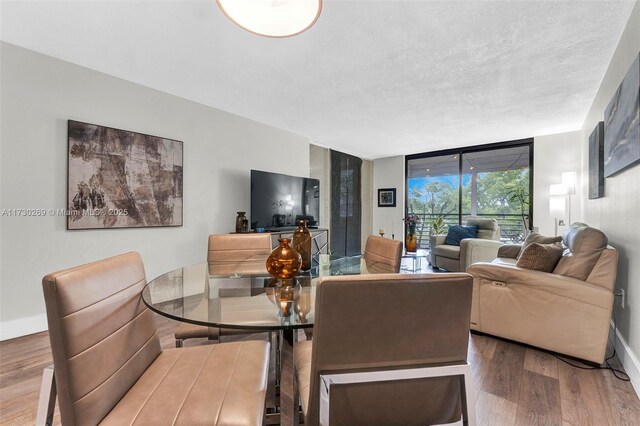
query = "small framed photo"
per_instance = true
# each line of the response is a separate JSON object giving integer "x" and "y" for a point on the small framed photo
{"x": 387, "y": 197}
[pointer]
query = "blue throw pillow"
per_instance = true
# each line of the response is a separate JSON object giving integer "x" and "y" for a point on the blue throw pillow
{"x": 459, "y": 232}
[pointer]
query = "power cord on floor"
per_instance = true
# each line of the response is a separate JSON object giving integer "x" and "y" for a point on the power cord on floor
{"x": 623, "y": 376}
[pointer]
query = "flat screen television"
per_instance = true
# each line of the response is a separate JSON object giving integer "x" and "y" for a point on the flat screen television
{"x": 279, "y": 201}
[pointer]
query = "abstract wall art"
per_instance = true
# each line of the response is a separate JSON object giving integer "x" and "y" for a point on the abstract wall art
{"x": 122, "y": 179}
{"x": 596, "y": 162}
{"x": 622, "y": 124}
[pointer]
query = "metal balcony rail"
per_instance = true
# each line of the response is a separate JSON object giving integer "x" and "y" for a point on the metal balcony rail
{"x": 511, "y": 229}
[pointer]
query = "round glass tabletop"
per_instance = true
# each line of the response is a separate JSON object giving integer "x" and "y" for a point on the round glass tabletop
{"x": 208, "y": 295}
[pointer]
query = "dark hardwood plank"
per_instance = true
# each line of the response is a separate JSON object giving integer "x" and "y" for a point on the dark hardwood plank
{"x": 579, "y": 397}
{"x": 541, "y": 363}
{"x": 507, "y": 387}
{"x": 492, "y": 410}
{"x": 505, "y": 371}
{"x": 621, "y": 404}
{"x": 539, "y": 401}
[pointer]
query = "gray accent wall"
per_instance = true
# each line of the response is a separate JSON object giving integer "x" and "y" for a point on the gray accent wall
{"x": 617, "y": 213}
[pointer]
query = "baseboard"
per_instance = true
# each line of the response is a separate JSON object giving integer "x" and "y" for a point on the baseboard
{"x": 23, "y": 326}
{"x": 628, "y": 359}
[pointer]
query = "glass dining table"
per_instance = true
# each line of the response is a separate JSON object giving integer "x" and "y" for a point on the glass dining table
{"x": 237, "y": 296}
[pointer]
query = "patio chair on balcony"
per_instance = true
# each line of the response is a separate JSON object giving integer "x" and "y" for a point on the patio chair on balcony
{"x": 484, "y": 248}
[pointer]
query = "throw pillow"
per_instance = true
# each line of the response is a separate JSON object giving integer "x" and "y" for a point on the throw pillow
{"x": 540, "y": 257}
{"x": 534, "y": 237}
{"x": 458, "y": 233}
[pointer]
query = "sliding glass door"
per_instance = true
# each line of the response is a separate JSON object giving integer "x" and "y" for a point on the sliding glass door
{"x": 493, "y": 181}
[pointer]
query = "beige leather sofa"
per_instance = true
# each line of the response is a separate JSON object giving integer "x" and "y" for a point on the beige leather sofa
{"x": 471, "y": 250}
{"x": 567, "y": 311}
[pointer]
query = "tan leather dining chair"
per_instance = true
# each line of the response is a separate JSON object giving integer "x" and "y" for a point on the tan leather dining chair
{"x": 399, "y": 358}
{"x": 382, "y": 255}
{"x": 229, "y": 254}
{"x": 109, "y": 367}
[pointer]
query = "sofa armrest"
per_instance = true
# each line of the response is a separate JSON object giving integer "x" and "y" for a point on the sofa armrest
{"x": 437, "y": 240}
{"x": 474, "y": 250}
{"x": 510, "y": 251}
{"x": 557, "y": 285}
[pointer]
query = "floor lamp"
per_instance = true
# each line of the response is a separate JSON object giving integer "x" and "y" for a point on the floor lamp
{"x": 557, "y": 210}
{"x": 569, "y": 185}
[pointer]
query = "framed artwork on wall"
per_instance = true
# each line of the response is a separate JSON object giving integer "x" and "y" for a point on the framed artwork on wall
{"x": 596, "y": 162}
{"x": 122, "y": 179}
{"x": 387, "y": 197}
{"x": 622, "y": 124}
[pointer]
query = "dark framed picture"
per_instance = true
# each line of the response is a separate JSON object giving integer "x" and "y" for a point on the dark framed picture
{"x": 596, "y": 162}
{"x": 622, "y": 127}
{"x": 122, "y": 179}
{"x": 387, "y": 197}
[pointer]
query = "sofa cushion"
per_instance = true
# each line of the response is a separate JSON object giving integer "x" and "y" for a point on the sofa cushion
{"x": 451, "y": 252}
{"x": 584, "y": 247}
{"x": 535, "y": 237}
{"x": 458, "y": 233}
{"x": 486, "y": 227}
{"x": 540, "y": 257}
{"x": 504, "y": 261}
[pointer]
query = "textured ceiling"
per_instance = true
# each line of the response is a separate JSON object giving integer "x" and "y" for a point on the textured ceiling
{"x": 372, "y": 78}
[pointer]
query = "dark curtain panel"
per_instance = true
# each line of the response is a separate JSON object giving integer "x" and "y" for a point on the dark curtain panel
{"x": 346, "y": 208}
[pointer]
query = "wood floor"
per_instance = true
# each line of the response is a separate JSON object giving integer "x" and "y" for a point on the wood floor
{"x": 514, "y": 384}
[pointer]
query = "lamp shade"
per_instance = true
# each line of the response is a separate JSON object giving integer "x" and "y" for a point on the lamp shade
{"x": 569, "y": 182}
{"x": 557, "y": 206}
{"x": 272, "y": 18}
{"x": 557, "y": 189}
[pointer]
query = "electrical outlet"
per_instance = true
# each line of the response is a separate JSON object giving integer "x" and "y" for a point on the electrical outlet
{"x": 622, "y": 298}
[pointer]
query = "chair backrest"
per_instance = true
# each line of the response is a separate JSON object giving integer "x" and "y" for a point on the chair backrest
{"x": 584, "y": 249}
{"x": 238, "y": 253}
{"x": 488, "y": 229}
{"x": 382, "y": 255}
{"x": 384, "y": 322}
{"x": 102, "y": 335}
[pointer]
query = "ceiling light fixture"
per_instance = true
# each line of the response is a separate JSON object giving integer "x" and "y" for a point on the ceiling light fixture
{"x": 272, "y": 18}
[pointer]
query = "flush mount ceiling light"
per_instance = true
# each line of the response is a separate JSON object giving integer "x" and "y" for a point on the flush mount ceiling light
{"x": 272, "y": 18}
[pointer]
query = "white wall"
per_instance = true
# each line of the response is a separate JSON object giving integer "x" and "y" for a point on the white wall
{"x": 618, "y": 211}
{"x": 552, "y": 155}
{"x": 39, "y": 94}
{"x": 389, "y": 173}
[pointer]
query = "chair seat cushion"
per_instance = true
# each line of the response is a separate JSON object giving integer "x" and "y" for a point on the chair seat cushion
{"x": 214, "y": 385}
{"x": 448, "y": 251}
{"x": 302, "y": 360}
{"x": 193, "y": 331}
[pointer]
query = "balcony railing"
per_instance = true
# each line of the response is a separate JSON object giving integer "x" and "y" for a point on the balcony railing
{"x": 511, "y": 230}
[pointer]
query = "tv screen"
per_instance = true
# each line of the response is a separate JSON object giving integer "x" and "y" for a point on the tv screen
{"x": 278, "y": 201}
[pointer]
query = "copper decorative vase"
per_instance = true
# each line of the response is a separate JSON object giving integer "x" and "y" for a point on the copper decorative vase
{"x": 284, "y": 262}
{"x": 302, "y": 244}
{"x": 411, "y": 243}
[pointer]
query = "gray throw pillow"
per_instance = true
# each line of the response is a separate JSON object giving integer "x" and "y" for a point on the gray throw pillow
{"x": 540, "y": 257}
{"x": 535, "y": 237}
